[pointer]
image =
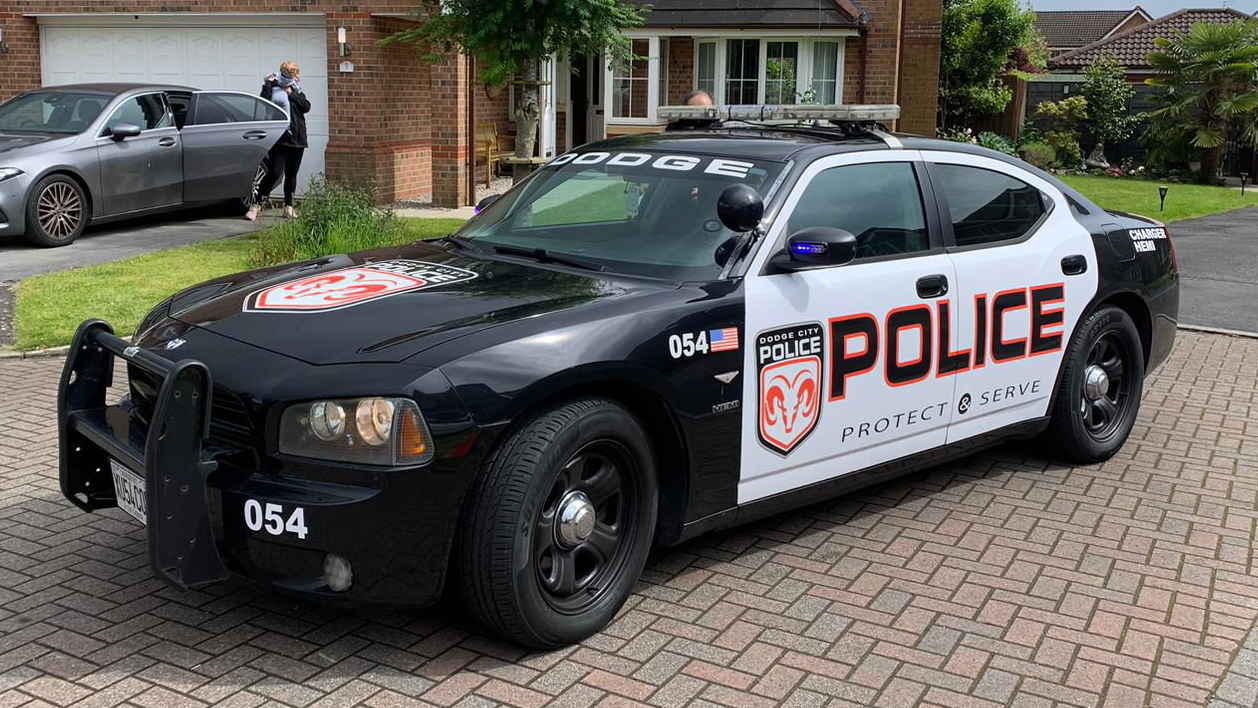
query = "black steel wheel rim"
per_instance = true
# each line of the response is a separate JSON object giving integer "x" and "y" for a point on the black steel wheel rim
{"x": 574, "y": 575}
{"x": 1103, "y": 415}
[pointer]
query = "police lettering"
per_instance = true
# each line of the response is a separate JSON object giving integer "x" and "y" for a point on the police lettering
{"x": 860, "y": 342}
{"x": 782, "y": 345}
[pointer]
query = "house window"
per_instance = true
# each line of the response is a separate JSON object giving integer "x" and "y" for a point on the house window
{"x": 781, "y": 71}
{"x": 631, "y": 83}
{"x": 825, "y": 72}
{"x": 705, "y": 67}
{"x": 742, "y": 71}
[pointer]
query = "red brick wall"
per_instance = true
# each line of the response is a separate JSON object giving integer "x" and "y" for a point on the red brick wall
{"x": 681, "y": 69}
{"x": 907, "y": 75}
{"x": 919, "y": 72}
{"x": 493, "y": 106}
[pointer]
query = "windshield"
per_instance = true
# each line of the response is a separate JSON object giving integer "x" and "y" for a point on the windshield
{"x": 66, "y": 112}
{"x": 640, "y": 213}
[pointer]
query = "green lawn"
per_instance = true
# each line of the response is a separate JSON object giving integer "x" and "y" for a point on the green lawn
{"x": 50, "y": 307}
{"x": 1184, "y": 201}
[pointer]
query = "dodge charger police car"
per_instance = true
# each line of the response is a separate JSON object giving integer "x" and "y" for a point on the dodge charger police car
{"x": 649, "y": 338}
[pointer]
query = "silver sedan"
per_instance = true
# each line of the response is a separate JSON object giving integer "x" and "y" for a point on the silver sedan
{"x": 89, "y": 153}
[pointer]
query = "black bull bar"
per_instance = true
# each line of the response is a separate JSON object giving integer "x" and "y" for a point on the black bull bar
{"x": 168, "y": 452}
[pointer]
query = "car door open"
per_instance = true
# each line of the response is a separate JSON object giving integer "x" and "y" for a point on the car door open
{"x": 225, "y": 139}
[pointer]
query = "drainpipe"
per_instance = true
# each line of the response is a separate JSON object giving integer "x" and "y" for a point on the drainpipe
{"x": 864, "y": 61}
{"x": 471, "y": 129}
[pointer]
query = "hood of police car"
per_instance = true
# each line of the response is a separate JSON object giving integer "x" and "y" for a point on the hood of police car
{"x": 388, "y": 305}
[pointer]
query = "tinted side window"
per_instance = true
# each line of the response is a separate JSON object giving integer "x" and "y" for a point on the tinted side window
{"x": 234, "y": 108}
{"x": 147, "y": 111}
{"x": 880, "y": 204}
{"x": 987, "y": 206}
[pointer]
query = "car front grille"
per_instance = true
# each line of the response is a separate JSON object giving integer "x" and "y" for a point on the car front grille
{"x": 230, "y": 425}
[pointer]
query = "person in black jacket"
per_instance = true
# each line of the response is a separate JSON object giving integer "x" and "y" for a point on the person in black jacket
{"x": 284, "y": 90}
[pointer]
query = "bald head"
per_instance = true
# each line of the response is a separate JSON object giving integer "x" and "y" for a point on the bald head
{"x": 699, "y": 98}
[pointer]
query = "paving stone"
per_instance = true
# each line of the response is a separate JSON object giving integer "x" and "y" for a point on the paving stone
{"x": 1000, "y": 579}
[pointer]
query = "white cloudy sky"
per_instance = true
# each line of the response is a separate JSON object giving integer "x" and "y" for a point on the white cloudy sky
{"x": 1157, "y": 8}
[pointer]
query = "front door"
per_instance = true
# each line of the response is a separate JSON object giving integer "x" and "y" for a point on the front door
{"x": 595, "y": 126}
{"x": 549, "y": 119}
{"x": 846, "y": 367}
{"x": 226, "y": 137}
{"x": 145, "y": 171}
{"x": 1016, "y": 321}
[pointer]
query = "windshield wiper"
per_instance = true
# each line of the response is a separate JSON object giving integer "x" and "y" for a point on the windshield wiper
{"x": 459, "y": 242}
{"x": 541, "y": 255}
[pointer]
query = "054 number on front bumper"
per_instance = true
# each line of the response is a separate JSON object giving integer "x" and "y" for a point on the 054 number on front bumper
{"x": 272, "y": 520}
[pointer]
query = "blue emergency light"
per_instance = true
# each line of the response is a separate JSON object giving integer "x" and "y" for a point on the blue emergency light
{"x": 809, "y": 249}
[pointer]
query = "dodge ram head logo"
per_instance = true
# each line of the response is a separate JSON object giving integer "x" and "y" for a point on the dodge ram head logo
{"x": 789, "y": 361}
{"x": 338, "y": 289}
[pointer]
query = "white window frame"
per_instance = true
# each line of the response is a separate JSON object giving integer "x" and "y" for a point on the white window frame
{"x": 656, "y": 64}
{"x": 652, "y": 88}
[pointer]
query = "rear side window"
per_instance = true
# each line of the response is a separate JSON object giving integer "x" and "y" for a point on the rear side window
{"x": 879, "y": 203}
{"x": 988, "y": 207}
{"x": 213, "y": 108}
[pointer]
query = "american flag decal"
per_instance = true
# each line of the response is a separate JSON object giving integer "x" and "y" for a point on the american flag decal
{"x": 723, "y": 340}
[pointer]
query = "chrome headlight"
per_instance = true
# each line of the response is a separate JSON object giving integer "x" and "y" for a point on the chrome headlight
{"x": 8, "y": 172}
{"x": 370, "y": 431}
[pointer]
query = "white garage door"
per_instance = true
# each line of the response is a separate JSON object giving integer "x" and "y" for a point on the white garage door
{"x": 204, "y": 52}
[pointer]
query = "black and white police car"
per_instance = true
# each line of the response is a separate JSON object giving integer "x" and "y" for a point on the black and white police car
{"x": 650, "y": 338}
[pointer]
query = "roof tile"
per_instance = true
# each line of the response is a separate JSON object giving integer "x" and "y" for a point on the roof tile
{"x": 1076, "y": 28}
{"x": 1133, "y": 46}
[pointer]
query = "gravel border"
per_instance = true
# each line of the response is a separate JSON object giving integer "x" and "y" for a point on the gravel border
{"x": 8, "y": 298}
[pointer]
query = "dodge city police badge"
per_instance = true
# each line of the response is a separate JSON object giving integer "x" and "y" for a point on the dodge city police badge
{"x": 347, "y": 287}
{"x": 790, "y": 362}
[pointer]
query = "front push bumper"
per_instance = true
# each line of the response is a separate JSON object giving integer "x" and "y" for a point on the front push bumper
{"x": 171, "y": 456}
{"x": 395, "y": 527}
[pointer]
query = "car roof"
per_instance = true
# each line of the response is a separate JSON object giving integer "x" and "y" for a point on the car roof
{"x": 803, "y": 144}
{"x": 114, "y": 89}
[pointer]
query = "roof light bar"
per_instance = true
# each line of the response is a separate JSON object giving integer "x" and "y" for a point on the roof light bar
{"x": 835, "y": 114}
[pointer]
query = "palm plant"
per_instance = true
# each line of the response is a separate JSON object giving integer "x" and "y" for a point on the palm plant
{"x": 1209, "y": 77}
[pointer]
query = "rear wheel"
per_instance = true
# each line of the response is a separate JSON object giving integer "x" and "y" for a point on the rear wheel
{"x": 559, "y": 524}
{"x": 56, "y": 212}
{"x": 254, "y": 187}
{"x": 1099, "y": 396}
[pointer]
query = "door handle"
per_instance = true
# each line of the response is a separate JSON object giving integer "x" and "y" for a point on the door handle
{"x": 166, "y": 142}
{"x": 1074, "y": 265}
{"x": 255, "y": 135}
{"x": 932, "y": 286}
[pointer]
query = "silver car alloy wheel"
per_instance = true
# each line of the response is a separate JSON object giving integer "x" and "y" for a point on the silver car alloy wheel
{"x": 59, "y": 210}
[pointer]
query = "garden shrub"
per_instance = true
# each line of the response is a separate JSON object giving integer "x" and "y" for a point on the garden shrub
{"x": 1067, "y": 115}
{"x": 332, "y": 218}
{"x": 1042, "y": 155}
{"x": 997, "y": 142}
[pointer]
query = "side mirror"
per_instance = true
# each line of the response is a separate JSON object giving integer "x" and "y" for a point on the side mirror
{"x": 121, "y": 131}
{"x": 483, "y": 204}
{"x": 817, "y": 247}
{"x": 740, "y": 208}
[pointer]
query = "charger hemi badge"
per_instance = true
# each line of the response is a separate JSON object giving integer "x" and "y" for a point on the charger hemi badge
{"x": 339, "y": 289}
{"x": 790, "y": 362}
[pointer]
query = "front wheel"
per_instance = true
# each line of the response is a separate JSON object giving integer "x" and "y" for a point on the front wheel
{"x": 559, "y": 523}
{"x": 56, "y": 212}
{"x": 1099, "y": 396}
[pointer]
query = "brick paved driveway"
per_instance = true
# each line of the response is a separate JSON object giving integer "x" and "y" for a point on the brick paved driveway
{"x": 999, "y": 580}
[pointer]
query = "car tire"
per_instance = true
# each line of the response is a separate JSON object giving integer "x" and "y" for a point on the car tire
{"x": 56, "y": 212}
{"x": 244, "y": 203}
{"x": 529, "y": 577}
{"x": 1098, "y": 397}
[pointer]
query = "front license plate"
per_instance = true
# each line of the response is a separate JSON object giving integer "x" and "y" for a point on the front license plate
{"x": 129, "y": 489}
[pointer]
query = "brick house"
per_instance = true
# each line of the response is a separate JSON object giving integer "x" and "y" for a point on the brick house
{"x": 1067, "y": 30}
{"x": 381, "y": 116}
